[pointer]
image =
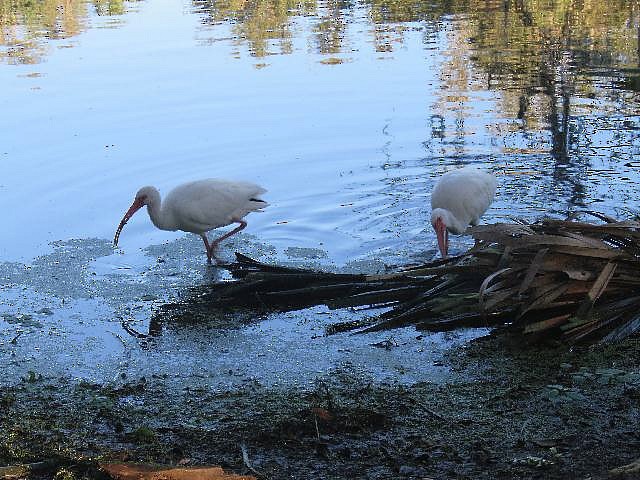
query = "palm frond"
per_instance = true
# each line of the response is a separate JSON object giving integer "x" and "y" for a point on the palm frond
{"x": 577, "y": 280}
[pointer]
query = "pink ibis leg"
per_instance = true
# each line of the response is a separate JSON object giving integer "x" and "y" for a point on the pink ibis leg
{"x": 216, "y": 242}
{"x": 207, "y": 247}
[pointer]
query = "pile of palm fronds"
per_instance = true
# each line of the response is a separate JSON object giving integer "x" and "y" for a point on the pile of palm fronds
{"x": 579, "y": 280}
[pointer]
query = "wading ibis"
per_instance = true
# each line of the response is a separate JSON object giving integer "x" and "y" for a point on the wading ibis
{"x": 458, "y": 200}
{"x": 199, "y": 207}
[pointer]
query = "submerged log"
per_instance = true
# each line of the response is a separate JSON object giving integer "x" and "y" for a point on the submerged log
{"x": 576, "y": 280}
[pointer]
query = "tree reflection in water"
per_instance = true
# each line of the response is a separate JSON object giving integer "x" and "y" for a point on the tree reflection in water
{"x": 26, "y": 26}
{"x": 565, "y": 73}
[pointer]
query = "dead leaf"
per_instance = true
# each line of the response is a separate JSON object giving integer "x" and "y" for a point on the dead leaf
{"x": 536, "y": 263}
{"x": 598, "y": 288}
{"x": 124, "y": 471}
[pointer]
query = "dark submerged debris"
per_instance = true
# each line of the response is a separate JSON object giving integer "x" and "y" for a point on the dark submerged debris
{"x": 571, "y": 279}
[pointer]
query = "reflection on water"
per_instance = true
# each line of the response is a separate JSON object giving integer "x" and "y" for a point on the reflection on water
{"x": 520, "y": 45}
{"x": 508, "y": 38}
{"x": 263, "y": 24}
{"x": 26, "y": 26}
{"x": 555, "y": 64}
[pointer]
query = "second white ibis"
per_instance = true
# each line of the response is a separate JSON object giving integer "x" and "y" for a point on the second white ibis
{"x": 199, "y": 207}
{"x": 458, "y": 200}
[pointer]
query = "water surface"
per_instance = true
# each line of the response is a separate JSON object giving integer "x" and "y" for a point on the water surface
{"x": 347, "y": 112}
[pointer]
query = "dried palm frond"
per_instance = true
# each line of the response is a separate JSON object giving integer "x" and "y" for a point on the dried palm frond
{"x": 574, "y": 279}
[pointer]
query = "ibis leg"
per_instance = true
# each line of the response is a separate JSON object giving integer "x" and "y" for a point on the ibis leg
{"x": 207, "y": 247}
{"x": 216, "y": 242}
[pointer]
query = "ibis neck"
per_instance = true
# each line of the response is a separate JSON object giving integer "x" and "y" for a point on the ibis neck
{"x": 157, "y": 214}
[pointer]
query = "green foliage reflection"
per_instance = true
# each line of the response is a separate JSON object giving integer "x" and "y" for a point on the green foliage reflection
{"x": 25, "y": 25}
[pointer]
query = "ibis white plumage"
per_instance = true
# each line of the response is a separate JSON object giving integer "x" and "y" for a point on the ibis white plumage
{"x": 458, "y": 200}
{"x": 199, "y": 207}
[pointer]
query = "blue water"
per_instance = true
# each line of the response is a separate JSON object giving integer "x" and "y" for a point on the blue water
{"x": 348, "y": 152}
{"x": 347, "y": 114}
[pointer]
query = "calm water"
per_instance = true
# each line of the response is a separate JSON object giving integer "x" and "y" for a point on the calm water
{"x": 347, "y": 112}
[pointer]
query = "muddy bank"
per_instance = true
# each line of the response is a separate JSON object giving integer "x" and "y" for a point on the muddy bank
{"x": 504, "y": 411}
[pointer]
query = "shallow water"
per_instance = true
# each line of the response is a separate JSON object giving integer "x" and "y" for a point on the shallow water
{"x": 347, "y": 112}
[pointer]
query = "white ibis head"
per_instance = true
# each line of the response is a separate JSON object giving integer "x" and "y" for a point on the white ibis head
{"x": 440, "y": 226}
{"x": 145, "y": 196}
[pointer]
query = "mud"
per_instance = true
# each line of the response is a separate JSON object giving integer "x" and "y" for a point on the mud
{"x": 505, "y": 411}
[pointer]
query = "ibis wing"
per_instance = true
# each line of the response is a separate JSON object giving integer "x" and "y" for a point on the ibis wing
{"x": 478, "y": 198}
{"x": 207, "y": 204}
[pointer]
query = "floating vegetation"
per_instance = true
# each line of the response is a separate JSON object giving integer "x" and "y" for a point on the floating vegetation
{"x": 575, "y": 280}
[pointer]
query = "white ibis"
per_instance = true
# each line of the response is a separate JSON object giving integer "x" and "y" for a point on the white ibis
{"x": 458, "y": 200}
{"x": 199, "y": 207}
